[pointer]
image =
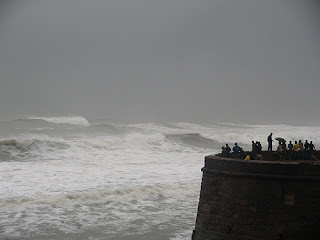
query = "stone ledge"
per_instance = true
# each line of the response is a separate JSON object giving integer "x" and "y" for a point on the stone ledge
{"x": 266, "y": 169}
{"x": 263, "y": 176}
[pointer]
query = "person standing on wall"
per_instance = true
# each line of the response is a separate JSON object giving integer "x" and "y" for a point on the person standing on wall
{"x": 301, "y": 151}
{"x": 270, "y": 142}
{"x": 290, "y": 150}
{"x": 311, "y": 149}
{"x": 259, "y": 151}
{"x": 236, "y": 150}
{"x": 306, "y": 150}
{"x": 228, "y": 150}
{"x": 254, "y": 150}
{"x": 296, "y": 150}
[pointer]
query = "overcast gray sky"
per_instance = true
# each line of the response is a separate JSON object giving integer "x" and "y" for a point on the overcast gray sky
{"x": 168, "y": 59}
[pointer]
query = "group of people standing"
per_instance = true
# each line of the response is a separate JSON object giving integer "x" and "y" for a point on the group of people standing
{"x": 296, "y": 151}
{"x": 237, "y": 151}
{"x": 256, "y": 150}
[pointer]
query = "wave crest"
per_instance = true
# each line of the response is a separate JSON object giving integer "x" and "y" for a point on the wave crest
{"x": 140, "y": 193}
{"x": 75, "y": 120}
{"x": 193, "y": 139}
{"x": 23, "y": 148}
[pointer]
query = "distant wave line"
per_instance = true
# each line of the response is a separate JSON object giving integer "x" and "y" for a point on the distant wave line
{"x": 76, "y": 120}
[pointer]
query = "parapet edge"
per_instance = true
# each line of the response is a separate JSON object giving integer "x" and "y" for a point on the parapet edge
{"x": 281, "y": 170}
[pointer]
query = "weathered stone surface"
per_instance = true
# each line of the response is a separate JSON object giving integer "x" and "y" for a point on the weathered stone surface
{"x": 244, "y": 200}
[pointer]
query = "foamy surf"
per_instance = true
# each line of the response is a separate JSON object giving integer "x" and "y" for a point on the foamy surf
{"x": 125, "y": 195}
{"x": 63, "y": 179}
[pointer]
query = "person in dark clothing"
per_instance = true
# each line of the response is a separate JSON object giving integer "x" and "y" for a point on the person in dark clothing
{"x": 284, "y": 150}
{"x": 301, "y": 149}
{"x": 296, "y": 148}
{"x": 259, "y": 150}
{"x": 290, "y": 150}
{"x": 306, "y": 150}
{"x": 223, "y": 152}
{"x": 254, "y": 150}
{"x": 311, "y": 149}
{"x": 281, "y": 150}
{"x": 270, "y": 142}
{"x": 242, "y": 154}
{"x": 228, "y": 150}
{"x": 236, "y": 150}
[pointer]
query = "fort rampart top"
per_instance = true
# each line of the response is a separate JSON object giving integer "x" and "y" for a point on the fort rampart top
{"x": 257, "y": 199}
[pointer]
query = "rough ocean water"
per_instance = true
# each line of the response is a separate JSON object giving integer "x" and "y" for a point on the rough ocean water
{"x": 68, "y": 178}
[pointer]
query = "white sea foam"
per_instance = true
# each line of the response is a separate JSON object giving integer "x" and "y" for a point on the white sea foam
{"x": 125, "y": 195}
{"x": 129, "y": 179}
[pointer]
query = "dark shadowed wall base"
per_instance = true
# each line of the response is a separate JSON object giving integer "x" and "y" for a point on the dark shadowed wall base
{"x": 258, "y": 200}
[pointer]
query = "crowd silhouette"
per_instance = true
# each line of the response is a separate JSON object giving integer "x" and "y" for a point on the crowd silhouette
{"x": 290, "y": 151}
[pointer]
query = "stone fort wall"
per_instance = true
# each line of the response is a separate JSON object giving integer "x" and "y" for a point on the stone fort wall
{"x": 249, "y": 200}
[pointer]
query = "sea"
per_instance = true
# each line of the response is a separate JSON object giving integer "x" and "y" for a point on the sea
{"x": 68, "y": 177}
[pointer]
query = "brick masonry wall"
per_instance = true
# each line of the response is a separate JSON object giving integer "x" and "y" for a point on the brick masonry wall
{"x": 258, "y": 200}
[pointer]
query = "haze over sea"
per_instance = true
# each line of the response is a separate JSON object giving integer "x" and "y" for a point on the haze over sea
{"x": 70, "y": 178}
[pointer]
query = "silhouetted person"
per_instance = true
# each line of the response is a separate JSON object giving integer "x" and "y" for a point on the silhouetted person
{"x": 236, "y": 150}
{"x": 254, "y": 150}
{"x": 306, "y": 150}
{"x": 311, "y": 149}
{"x": 223, "y": 152}
{"x": 301, "y": 150}
{"x": 290, "y": 150}
{"x": 259, "y": 150}
{"x": 270, "y": 142}
{"x": 241, "y": 154}
{"x": 284, "y": 149}
{"x": 281, "y": 150}
{"x": 228, "y": 150}
{"x": 296, "y": 148}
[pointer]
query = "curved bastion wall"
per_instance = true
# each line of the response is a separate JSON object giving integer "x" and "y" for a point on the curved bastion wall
{"x": 258, "y": 200}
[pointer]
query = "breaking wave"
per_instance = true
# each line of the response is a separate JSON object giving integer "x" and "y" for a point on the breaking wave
{"x": 75, "y": 120}
{"x": 193, "y": 139}
{"x": 22, "y": 148}
{"x": 148, "y": 192}
{"x": 99, "y": 139}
